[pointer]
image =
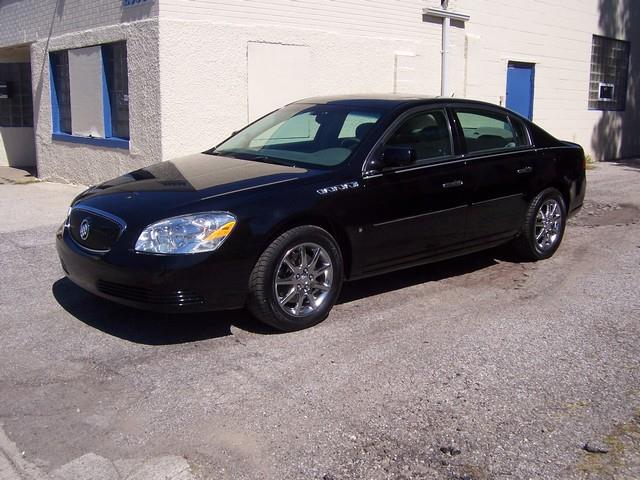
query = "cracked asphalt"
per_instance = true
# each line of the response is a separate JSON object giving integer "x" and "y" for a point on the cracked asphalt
{"x": 475, "y": 368}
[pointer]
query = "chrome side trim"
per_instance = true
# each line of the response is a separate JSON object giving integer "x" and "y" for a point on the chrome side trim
{"x": 403, "y": 219}
{"x": 460, "y": 158}
{"x": 497, "y": 198}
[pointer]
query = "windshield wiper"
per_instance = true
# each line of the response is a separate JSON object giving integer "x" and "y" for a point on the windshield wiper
{"x": 250, "y": 156}
{"x": 277, "y": 161}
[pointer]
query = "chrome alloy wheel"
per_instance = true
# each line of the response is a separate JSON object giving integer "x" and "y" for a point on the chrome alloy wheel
{"x": 548, "y": 224}
{"x": 303, "y": 279}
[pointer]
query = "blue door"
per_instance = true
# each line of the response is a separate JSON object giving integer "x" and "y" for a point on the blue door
{"x": 520, "y": 88}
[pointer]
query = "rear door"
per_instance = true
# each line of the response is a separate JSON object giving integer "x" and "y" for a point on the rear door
{"x": 502, "y": 162}
{"x": 418, "y": 211}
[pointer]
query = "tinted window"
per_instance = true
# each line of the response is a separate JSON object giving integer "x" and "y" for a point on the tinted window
{"x": 427, "y": 133}
{"x": 485, "y": 130}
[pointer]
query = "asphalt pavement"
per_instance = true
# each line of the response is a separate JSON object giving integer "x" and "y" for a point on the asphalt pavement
{"x": 476, "y": 368}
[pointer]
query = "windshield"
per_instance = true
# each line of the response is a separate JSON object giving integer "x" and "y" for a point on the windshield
{"x": 303, "y": 134}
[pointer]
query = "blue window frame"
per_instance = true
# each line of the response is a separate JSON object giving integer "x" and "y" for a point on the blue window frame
{"x": 115, "y": 97}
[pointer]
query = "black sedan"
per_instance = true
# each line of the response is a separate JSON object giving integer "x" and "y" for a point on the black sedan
{"x": 277, "y": 216}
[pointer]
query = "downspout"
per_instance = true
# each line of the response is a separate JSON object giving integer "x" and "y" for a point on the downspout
{"x": 444, "y": 69}
{"x": 446, "y": 16}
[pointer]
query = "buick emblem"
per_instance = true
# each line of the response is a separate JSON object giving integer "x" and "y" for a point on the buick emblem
{"x": 85, "y": 228}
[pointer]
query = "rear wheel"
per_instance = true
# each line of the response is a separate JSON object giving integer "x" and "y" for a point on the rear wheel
{"x": 297, "y": 279}
{"x": 543, "y": 226}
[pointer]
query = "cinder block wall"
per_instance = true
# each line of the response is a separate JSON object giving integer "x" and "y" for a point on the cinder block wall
{"x": 26, "y": 21}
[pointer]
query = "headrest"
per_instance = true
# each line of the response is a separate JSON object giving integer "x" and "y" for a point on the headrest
{"x": 363, "y": 129}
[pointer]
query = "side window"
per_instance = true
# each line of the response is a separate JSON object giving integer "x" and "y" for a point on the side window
{"x": 484, "y": 130}
{"x": 427, "y": 133}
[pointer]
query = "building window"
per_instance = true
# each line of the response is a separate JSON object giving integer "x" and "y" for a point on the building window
{"x": 16, "y": 103}
{"x": 609, "y": 73}
{"x": 90, "y": 95}
{"x": 60, "y": 92}
{"x": 114, "y": 56}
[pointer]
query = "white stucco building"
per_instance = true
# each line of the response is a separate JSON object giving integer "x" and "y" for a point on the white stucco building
{"x": 91, "y": 89}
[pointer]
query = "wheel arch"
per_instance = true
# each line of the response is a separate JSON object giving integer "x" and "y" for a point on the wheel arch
{"x": 565, "y": 191}
{"x": 321, "y": 221}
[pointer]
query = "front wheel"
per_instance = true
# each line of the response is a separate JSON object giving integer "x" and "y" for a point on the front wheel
{"x": 543, "y": 226}
{"x": 297, "y": 279}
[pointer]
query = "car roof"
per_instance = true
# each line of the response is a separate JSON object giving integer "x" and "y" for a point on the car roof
{"x": 387, "y": 101}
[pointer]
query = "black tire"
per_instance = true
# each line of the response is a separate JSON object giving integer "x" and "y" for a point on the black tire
{"x": 262, "y": 300}
{"x": 526, "y": 244}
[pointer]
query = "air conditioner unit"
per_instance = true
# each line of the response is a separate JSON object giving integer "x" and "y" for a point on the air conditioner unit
{"x": 606, "y": 92}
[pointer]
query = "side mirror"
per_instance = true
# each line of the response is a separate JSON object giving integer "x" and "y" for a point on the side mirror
{"x": 398, "y": 156}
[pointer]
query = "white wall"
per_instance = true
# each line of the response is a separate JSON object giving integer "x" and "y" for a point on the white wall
{"x": 384, "y": 46}
{"x": 17, "y": 147}
{"x": 371, "y": 18}
{"x": 277, "y": 74}
{"x": 204, "y": 74}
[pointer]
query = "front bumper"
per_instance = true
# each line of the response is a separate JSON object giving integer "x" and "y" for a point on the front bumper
{"x": 166, "y": 283}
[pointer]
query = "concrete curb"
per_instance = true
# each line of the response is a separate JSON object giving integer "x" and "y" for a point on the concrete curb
{"x": 13, "y": 466}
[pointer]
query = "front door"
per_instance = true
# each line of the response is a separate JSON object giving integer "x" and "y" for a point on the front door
{"x": 415, "y": 212}
{"x": 520, "y": 77}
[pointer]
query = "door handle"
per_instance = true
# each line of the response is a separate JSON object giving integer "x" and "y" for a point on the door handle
{"x": 525, "y": 170}
{"x": 455, "y": 183}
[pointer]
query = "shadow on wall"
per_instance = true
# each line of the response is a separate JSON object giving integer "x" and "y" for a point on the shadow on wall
{"x": 616, "y": 135}
{"x": 17, "y": 148}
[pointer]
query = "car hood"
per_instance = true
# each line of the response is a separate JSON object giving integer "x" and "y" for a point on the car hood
{"x": 168, "y": 186}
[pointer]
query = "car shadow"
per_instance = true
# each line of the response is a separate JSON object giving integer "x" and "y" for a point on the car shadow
{"x": 433, "y": 272}
{"x": 152, "y": 328}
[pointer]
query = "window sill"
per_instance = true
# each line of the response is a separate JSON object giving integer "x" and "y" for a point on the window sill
{"x": 98, "y": 142}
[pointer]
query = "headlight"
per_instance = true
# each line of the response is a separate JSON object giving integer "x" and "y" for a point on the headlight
{"x": 201, "y": 232}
